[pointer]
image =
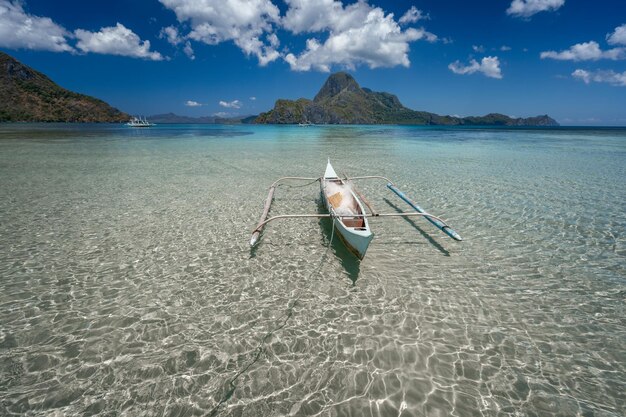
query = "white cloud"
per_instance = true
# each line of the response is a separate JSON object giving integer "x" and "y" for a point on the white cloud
{"x": 223, "y": 114}
{"x": 478, "y": 48}
{"x": 586, "y": 51}
{"x": 412, "y": 15}
{"x": 252, "y": 98}
{"x": 19, "y": 29}
{"x": 188, "y": 50}
{"x": 582, "y": 75}
{"x": 171, "y": 34}
{"x": 235, "y": 104}
{"x": 527, "y": 8}
{"x": 322, "y": 15}
{"x": 115, "y": 40}
{"x": 240, "y": 21}
{"x": 348, "y": 35}
{"x": 191, "y": 103}
{"x": 601, "y": 76}
{"x": 489, "y": 66}
{"x": 618, "y": 37}
{"x": 273, "y": 40}
{"x": 505, "y": 48}
{"x": 173, "y": 37}
{"x": 358, "y": 34}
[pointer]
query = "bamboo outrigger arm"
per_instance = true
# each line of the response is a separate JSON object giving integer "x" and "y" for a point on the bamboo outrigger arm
{"x": 440, "y": 224}
{"x": 268, "y": 202}
{"x": 352, "y": 216}
{"x": 369, "y": 177}
{"x": 275, "y": 183}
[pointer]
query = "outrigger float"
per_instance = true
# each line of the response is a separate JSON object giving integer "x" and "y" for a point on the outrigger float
{"x": 345, "y": 207}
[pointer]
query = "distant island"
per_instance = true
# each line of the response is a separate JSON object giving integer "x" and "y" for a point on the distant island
{"x": 27, "y": 95}
{"x": 174, "y": 118}
{"x": 342, "y": 101}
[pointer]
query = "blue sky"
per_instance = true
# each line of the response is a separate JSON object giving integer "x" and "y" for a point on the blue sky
{"x": 566, "y": 58}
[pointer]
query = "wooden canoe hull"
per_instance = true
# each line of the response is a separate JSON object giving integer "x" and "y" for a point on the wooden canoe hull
{"x": 357, "y": 243}
{"x": 356, "y": 239}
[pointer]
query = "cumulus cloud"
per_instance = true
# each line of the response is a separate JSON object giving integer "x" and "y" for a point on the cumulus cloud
{"x": 505, "y": 48}
{"x": 115, "y": 40}
{"x": 344, "y": 35}
{"x": 527, "y": 8}
{"x": 321, "y": 15}
{"x": 618, "y": 37}
{"x": 586, "y": 51}
{"x": 252, "y": 98}
{"x": 191, "y": 103}
{"x": 358, "y": 34}
{"x": 188, "y": 50}
{"x": 582, "y": 75}
{"x": 171, "y": 34}
{"x": 601, "y": 76}
{"x": 235, "y": 104}
{"x": 478, "y": 48}
{"x": 241, "y": 21}
{"x": 19, "y": 29}
{"x": 412, "y": 15}
{"x": 489, "y": 66}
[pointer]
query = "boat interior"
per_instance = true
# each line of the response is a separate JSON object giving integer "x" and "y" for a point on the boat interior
{"x": 344, "y": 203}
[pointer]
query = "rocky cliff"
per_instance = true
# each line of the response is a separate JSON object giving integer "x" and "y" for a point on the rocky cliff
{"x": 342, "y": 101}
{"x": 27, "y": 95}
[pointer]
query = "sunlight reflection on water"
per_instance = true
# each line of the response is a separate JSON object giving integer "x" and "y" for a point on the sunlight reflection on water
{"x": 128, "y": 286}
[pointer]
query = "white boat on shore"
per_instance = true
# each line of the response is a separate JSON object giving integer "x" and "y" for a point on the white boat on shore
{"x": 139, "y": 122}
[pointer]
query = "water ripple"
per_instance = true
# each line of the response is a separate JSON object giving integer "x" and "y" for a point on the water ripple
{"x": 128, "y": 287}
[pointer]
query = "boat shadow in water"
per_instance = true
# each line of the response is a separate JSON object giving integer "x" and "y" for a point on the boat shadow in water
{"x": 419, "y": 229}
{"x": 253, "y": 250}
{"x": 351, "y": 264}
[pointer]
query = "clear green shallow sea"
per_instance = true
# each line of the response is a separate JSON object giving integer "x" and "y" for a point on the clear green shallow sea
{"x": 127, "y": 285}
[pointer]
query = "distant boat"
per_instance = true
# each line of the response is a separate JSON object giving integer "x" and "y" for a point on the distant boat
{"x": 139, "y": 122}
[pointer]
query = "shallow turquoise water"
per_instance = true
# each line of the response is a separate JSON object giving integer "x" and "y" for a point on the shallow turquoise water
{"x": 127, "y": 286}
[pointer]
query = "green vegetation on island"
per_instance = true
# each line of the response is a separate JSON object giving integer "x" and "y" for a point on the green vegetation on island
{"x": 342, "y": 101}
{"x": 172, "y": 118}
{"x": 29, "y": 96}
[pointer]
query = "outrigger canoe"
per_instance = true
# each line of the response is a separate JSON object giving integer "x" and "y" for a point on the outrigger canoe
{"x": 345, "y": 209}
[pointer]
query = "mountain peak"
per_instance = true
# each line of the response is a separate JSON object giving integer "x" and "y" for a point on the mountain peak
{"x": 12, "y": 68}
{"x": 342, "y": 101}
{"x": 30, "y": 96}
{"x": 335, "y": 84}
